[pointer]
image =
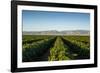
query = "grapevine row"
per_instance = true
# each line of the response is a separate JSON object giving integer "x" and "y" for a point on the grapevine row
{"x": 80, "y": 49}
{"x": 58, "y": 51}
{"x": 32, "y": 52}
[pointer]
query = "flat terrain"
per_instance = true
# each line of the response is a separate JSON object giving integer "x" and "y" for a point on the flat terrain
{"x": 55, "y": 48}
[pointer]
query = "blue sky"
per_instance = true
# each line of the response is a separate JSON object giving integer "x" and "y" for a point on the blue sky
{"x": 44, "y": 20}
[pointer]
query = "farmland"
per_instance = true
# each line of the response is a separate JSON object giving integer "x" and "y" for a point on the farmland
{"x": 55, "y": 48}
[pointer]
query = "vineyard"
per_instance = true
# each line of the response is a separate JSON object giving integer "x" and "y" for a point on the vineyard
{"x": 55, "y": 48}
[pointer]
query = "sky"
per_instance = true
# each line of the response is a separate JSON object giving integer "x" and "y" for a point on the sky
{"x": 59, "y": 21}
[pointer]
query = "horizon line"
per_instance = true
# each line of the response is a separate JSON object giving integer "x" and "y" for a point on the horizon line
{"x": 60, "y": 30}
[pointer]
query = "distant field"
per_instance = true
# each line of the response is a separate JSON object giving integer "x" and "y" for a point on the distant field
{"x": 55, "y": 48}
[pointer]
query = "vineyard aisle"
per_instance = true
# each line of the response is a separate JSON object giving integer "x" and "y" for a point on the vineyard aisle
{"x": 56, "y": 48}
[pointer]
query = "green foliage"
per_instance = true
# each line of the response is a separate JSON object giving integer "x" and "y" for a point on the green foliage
{"x": 78, "y": 47}
{"x": 60, "y": 47}
{"x": 32, "y": 51}
{"x": 58, "y": 52}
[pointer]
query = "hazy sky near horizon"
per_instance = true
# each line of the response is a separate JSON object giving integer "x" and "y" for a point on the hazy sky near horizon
{"x": 60, "y": 21}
